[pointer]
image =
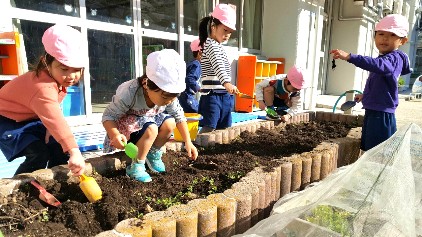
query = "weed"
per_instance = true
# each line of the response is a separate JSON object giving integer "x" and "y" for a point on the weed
{"x": 170, "y": 201}
{"x": 335, "y": 219}
{"x": 44, "y": 216}
{"x": 235, "y": 175}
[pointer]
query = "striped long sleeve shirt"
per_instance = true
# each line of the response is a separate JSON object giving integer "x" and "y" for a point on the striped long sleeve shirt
{"x": 215, "y": 67}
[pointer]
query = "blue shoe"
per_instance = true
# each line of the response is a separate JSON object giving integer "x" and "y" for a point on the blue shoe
{"x": 138, "y": 172}
{"x": 154, "y": 161}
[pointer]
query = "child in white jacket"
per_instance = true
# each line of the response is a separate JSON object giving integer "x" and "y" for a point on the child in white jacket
{"x": 279, "y": 95}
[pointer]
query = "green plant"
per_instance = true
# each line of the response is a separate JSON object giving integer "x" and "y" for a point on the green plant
{"x": 212, "y": 186}
{"x": 44, "y": 216}
{"x": 136, "y": 213}
{"x": 335, "y": 219}
{"x": 401, "y": 81}
{"x": 170, "y": 201}
{"x": 235, "y": 175}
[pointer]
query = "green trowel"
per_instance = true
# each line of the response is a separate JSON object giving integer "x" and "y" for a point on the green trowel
{"x": 131, "y": 150}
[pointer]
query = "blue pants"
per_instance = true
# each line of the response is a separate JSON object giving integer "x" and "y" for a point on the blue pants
{"x": 28, "y": 139}
{"x": 188, "y": 102}
{"x": 377, "y": 127}
{"x": 216, "y": 109}
{"x": 135, "y": 136}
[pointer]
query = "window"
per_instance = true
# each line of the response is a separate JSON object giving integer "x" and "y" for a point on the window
{"x": 62, "y": 7}
{"x": 193, "y": 12}
{"x": 112, "y": 11}
{"x": 159, "y": 15}
{"x": 111, "y": 62}
{"x": 252, "y": 24}
{"x": 32, "y": 33}
{"x": 150, "y": 45}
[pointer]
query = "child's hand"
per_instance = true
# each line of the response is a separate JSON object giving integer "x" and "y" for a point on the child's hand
{"x": 232, "y": 89}
{"x": 262, "y": 105}
{"x": 192, "y": 151}
{"x": 340, "y": 54}
{"x": 76, "y": 162}
{"x": 358, "y": 98}
{"x": 119, "y": 141}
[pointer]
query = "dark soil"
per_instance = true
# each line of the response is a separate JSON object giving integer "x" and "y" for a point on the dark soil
{"x": 216, "y": 169}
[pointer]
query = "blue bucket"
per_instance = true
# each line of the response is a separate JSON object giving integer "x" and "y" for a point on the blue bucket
{"x": 74, "y": 103}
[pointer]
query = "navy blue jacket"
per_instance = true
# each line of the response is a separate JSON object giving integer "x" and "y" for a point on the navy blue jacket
{"x": 193, "y": 74}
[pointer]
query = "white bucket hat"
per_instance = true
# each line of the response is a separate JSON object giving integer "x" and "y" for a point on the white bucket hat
{"x": 167, "y": 69}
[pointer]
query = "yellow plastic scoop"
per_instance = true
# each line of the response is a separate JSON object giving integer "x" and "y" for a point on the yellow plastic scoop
{"x": 246, "y": 96}
{"x": 90, "y": 188}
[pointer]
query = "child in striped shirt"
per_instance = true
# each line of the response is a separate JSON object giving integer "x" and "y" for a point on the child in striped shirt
{"x": 217, "y": 90}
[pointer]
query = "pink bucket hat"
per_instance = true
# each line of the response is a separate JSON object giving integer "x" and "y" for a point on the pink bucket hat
{"x": 394, "y": 23}
{"x": 226, "y": 14}
{"x": 194, "y": 45}
{"x": 64, "y": 43}
{"x": 295, "y": 77}
{"x": 167, "y": 69}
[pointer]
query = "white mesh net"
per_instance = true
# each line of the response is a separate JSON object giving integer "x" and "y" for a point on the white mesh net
{"x": 378, "y": 195}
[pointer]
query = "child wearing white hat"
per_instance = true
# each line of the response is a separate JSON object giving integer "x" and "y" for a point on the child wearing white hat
{"x": 217, "y": 91}
{"x": 145, "y": 111}
{"x": 280, "y": 95}
{"x": 380, "y": 95}
{"x": 193, "y": 74}
{"x": 31, "y": 121}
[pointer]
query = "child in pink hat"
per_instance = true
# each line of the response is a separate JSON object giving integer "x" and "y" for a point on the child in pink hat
{"x": 31, "y": 121}
{"x": 187, "y": 98}
{"x": 217, "y": 91}
{"x": 380, "y": 95}
{"x": 280, "y": 96}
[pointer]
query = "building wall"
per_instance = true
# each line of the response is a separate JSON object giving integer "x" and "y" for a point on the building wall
{"x": 350, "y": 32}
{"x": 353, "y": 31}
{"x": 292, "y": 30}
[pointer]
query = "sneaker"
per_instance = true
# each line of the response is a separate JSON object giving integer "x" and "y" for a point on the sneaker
{"x": 154, "y": 161}
{"x": 271, "y": 114}
{"x": 138, "y": 172}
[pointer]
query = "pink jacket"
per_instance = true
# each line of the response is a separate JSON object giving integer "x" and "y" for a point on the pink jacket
{"x": 30, "y": 97}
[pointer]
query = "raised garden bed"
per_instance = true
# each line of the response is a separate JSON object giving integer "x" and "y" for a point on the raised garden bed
{"x": 287, "y": 157}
